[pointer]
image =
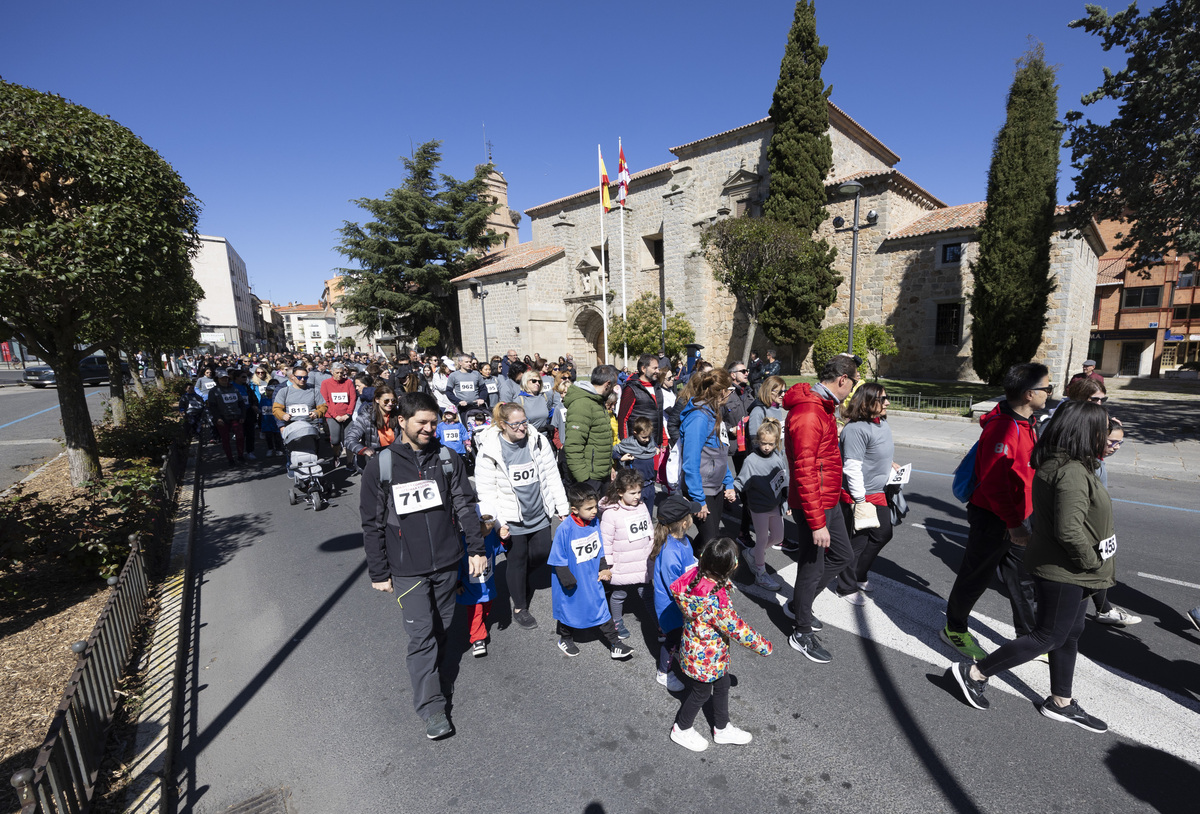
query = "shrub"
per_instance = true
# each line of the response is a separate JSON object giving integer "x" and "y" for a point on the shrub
{"x": 871, "y": 342}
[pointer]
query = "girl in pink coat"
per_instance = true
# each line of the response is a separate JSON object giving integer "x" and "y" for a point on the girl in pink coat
{"x": 709, "y": 624}
{"x": 628, "y": 536}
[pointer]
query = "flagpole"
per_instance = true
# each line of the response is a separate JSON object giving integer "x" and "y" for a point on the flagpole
{"x": 603, "y": 263}
{"x": 624, "y": 315}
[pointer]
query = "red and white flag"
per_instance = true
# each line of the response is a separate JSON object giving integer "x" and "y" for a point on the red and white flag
{"x": 622, "y": 175}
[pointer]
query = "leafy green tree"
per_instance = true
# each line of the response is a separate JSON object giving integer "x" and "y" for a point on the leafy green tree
{"x": 800, "y": 157}
{"x": 422, "y": 234}
{"x": 330, "y": 344}
{"x": 1012, "y": 274}
{"x": 93, "y": 223}
{"x": 643, "y": 329}
{"x": 871, "y": 342}
{"x": 429, "y": 338}
{"x": 347, "y": 342}
{"x": 1142, "y": 164}
{"x": 750, "y": 257}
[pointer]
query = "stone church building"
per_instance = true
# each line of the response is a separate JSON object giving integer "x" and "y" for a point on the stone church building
{"x": 913, "y": 272}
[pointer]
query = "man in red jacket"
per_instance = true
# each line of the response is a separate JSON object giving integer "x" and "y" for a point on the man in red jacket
{"x": 815, "y": 492}
{"x": 1000, "y": 507}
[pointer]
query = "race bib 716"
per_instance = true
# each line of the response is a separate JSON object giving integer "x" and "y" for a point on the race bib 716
{"x": 416, "y": 496}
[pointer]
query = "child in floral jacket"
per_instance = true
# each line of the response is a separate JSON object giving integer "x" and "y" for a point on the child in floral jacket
{"x": 709, "y": 623}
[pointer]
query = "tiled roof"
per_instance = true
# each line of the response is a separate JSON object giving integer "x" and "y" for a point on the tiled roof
{"x": 291, "y": 308}
{"x": 901, "y": 177}
{"x": 596, "y": 189}
{"x": 953, "y": 218}
{"x": 1111, "y": 272}
{"x": 864, "y": 131}
{"x": 513, "y": 258}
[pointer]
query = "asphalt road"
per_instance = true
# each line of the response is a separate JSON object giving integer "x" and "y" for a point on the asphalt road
{"x": 297, "y": 681}
{"x": 31, "y": 430}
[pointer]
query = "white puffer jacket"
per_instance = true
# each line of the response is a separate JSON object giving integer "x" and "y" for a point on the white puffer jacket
{"x": 628, "y": 536}
{"x": 496, "y": 495}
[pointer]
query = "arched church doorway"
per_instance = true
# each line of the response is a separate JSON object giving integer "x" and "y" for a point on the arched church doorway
{"x": 588, "y": 341}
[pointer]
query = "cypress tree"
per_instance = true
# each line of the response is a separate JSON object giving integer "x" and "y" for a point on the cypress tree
{"x": 800, "y": 156}
{"x": 1012, "y": 274}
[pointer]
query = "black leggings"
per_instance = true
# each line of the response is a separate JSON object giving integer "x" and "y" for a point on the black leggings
{"x": 527, "y": 552}
{"x": 1061, "y": 610}
{"x": 698, "y": 693}
{"x": 866, "y": 545}
{"x": 710, "y": 527}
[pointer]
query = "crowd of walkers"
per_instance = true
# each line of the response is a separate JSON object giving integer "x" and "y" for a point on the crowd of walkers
{"x": 621, "y": 483}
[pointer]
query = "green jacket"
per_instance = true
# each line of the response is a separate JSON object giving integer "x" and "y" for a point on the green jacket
{"x": 1072, "y": 513}
{"x": 589, "y": 437}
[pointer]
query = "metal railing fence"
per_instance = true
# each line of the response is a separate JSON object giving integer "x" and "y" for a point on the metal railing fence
{"x": 916, "y": 401}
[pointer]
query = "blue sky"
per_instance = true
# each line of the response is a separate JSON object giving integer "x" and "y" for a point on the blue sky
{"x": 278, "y": 115}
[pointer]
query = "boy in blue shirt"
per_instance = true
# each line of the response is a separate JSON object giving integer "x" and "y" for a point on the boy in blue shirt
{"x": 579, "y": 566}
{"x": 452, "y": 432}
{"x": 478, "y": 592}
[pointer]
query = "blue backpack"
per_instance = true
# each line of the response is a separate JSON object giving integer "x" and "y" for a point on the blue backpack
{"x": 965, "y": 479}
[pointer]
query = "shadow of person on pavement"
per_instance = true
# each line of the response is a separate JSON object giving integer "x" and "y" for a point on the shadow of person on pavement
{"x": 1162, "y": 781}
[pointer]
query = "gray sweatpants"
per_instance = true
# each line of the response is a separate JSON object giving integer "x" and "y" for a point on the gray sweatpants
{"x": 427, "y": 607}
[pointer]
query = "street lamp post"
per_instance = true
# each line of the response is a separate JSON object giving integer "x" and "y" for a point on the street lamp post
{"x": 853, "y": 188}
{"x": 480, "y": 293}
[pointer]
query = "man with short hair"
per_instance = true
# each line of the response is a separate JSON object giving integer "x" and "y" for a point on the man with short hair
{"x": 507, "y": 361}
{"x": 1089, "y": 372}
{"x": 227, "y": 406}
{"x": 464, "y": 387}
{"x": 412, "y": 544}
{"x": 771, "y": 366}
{"x": 588, "y": 444}
{"x": 509, "y": 385}
{"x": 999, "y": 509}
{"x": 815, "y": 493}
{"x": 318, "y": 372}
{"x": 756, "y": 370}
{"x": 299, "y": 400}
{"x": 642, "y": 396}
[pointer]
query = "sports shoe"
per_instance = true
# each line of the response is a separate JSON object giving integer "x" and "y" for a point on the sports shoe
{"x": 731, "y": 734}
{"x": 964, "y": 643}
{"x": 972, "y": 690}
{"x": 765, "y": 579}
{"x": 866, "y": 587}
{"x": 1072, "y": 713}
{"x": 479, "y": 649}
{"x": 854, "y": 598}
{"x": 787, "y": 546}
{"x": 250, "y": 456}
{"x": 438, "y": 726}
{"x": 744, "y": 541}
{"x": 810, "y": 646}
{"x": 622, "y": 631}
{"x": 1044, "y": 658}
{"x": 1116, "y": 616}
{"x": 688, "y": 738}
{"x": 1194, "y": 616}
{"x": 525, "y": 619}
{"x": 817, "y": 625}
{"x": 620, "y": 650}
{"x": 671, "y": 682}
{"x": 568, "y": 646}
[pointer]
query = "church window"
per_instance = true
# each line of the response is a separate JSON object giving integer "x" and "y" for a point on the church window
{"x": 948, "y": 328}
{"x": 951, "y": 253}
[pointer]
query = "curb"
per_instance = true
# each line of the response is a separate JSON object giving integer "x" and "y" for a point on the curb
{"x": 157, "y": 729}
{"x": 961, "y": 419}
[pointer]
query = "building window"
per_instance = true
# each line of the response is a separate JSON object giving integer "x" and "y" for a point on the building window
{"x": 1187, "y": 279}
{"x": 1183, "y": 313}
{"x": 652, "y": 251}
{"x": 1168, "y": 356}
{"x": 1096, "y": 310}
{"x": 951, "y": 253}
{"x": 948, "y": 329}
{"x": 1145, "y": 297}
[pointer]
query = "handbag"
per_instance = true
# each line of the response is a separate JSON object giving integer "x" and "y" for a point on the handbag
{"x": 865, "y": 516}
{"x": 896, "y": 503}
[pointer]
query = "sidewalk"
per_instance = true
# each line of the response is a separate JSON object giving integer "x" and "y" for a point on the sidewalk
{"x": 1158, "y": 443}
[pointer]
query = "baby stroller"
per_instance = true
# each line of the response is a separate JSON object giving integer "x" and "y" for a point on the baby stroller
{"x": 476, "y": 419}
{"x": 304, "y": 466}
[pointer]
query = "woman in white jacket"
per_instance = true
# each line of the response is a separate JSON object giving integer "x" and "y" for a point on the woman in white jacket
{"x": 517, "y": 479}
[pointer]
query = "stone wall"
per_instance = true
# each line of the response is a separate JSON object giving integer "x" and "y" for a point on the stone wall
{"x": 1073, "y": 265}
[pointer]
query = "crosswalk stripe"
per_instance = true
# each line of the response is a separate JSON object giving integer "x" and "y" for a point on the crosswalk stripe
{"x": 907, "y": 620}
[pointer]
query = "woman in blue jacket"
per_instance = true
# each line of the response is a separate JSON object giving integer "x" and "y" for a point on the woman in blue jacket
{"x": 704, "y": 453}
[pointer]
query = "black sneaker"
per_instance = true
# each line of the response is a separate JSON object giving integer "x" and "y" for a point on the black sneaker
{"x": 438, "y": 726}
{"x": 620, "y": 650}
{"x": 817, "y": 625}
{"x": 525, "y": 619}
{"x": 787, "y": 546}
{"x": 972, "y": 690}
{"x": 568, "y": 646}
{"x": 622, "y": 631}
{"x": 1072, "y": 713}
{"x": 810, "y": 646}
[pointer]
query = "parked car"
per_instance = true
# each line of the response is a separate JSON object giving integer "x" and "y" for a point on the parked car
{"x": 94, "y": 370}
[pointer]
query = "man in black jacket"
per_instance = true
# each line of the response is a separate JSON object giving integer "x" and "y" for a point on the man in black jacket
{"x": 413, "y": 547}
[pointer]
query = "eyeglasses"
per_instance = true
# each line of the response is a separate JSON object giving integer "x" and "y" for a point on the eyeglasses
{"x": 516, "y": 425}
{"x": 1098, "y": 399}
{"x": 1114, "y": 444}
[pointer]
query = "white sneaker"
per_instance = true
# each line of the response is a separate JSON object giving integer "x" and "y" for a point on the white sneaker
{"x": 855, "y": 598}
{"x": 731, "y": 734}
{"x": 764, "y": 579}
{"x": 866, "y": 587}
{"x": 688, "y": 738}
{"x": 250, "y": 456}
{"x": 671, "y": 682}
{"x": 1116, "y": 616}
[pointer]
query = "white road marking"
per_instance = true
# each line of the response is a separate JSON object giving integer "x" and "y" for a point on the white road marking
{"x": 940, "y": 530}
{"x": 20, "y": 441}
{"x": 908, "y": 620}
{"x": 1172, "y": 581}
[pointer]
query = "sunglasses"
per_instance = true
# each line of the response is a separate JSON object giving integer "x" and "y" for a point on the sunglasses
{"x": 1047, "y": 389}
{"x": 1114, "y": 444}
{"x": 1098, "y": 399}
{"x": 387, "y": 401}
